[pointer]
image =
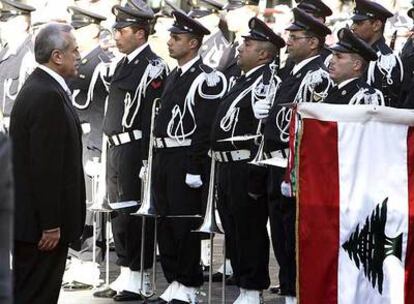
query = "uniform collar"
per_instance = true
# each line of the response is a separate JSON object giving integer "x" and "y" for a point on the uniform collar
{"x": 345, "y": 82}
{"x": 55, "y": 76}
{"x": 253, "y": 70}
{"x": 131, "y": 56}
{"x": 301, "y": 64}
{"x": 186, "y": 66}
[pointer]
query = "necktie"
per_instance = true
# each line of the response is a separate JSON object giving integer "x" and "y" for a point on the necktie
{"x": 177, "y": 75}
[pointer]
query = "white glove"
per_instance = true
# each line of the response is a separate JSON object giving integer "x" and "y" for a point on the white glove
{"x": 193, "y": 181}
{"x": 142, "y": 172}
{"x": 261, "y": 109}
{"x": 286, "y": 189}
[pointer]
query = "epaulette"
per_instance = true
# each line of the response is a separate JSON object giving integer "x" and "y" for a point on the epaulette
{"x": 211, "y": 75}
{"x": 369, "y": 96}
{"x": 156, "y": 67}
{"x": 386, "y": 64}
{"x": 311, "y": 82}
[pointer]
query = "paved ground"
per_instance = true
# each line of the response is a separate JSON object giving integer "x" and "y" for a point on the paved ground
{"x": 85, "y": 297}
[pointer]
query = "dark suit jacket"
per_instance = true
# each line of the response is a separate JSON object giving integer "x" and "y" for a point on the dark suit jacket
{"x": 47, "y": 159}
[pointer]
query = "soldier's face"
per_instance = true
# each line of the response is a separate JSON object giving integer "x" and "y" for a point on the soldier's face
{"x": 248, "y": 55}
{"x": 299, "y": 45}
{"x": 126, "y": 39}
{"x": 363, "y": 29}
{"x": 342, "y": 67}
{"x": 70, "y": 58}
{"x": 180, "y": 45}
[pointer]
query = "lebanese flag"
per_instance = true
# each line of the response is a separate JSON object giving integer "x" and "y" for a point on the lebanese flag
{"x": 355, "y": 194}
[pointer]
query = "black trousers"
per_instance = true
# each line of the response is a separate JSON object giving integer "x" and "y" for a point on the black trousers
{"x": 126, "y": 229}
{"x": 244, "y": 220}
{"x": 282, "y": 216}
{"x": 179, "y": 246}
{"x": 37, "y": 274}
{"x": 122, "y": 172}
{"x": 123, "y": 184}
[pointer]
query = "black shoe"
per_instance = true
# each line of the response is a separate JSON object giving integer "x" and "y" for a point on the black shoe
{"x": 174, "y": 301}
{"x": 231, "y": 281}
{"x": 124, "y": 296}
{"x": 157, "y": 301}
{"x": 105, "y": 293}
{"x": 216, "y": 277}
{"x": 275, "y": 289}
{"x": 74, "y": 286}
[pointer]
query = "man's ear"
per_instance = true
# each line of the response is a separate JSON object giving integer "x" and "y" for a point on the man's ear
{"x": 377, "y": 25}
{"x": 57, "y": 57}
{"x": 314, "y": 43}
{"x": 357, "y": 65}
{"x": 140, "y": 34}
{"x": 193, "y": 43}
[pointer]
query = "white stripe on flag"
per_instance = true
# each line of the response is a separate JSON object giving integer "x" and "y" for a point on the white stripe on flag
{"x": 372, "y": 167}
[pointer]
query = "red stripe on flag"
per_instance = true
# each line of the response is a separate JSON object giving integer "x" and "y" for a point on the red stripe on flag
{"x": 409, "y": 258}
{"x": 318, "y": 213}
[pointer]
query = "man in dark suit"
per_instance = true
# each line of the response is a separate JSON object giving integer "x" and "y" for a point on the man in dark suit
{"x": 241, "y": 192}
{"x": 47, "y": 160}
{"x": 182, "y": 130}
{"x": 307, "y": 82}
{"x": 137, "y": 82}
{"x": 350, "y": 59}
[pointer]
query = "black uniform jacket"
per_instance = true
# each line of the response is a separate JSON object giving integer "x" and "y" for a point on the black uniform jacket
{"x": 393, "y": 93}
{"x": 345, "y": 94}
{"x": 12, "y": 73}
{"x": 123, "y": 86}
{"x": 276, "y": 122}
{"x": 47, "y": 159}
{"x": 94, "y": 112}
{"x": 200, "y": 117}
{"x": 241, "y": 121}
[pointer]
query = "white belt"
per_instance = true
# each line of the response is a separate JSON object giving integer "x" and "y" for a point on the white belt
{"x": 124, "y": 138}
{"x": 279, "y": 153}
{"x": 228, "y": 156}
{"x": 277, "y": 158}
{"x": 167, "y": 142}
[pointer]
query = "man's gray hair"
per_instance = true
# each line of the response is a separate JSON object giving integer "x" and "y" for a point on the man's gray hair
{"x": 50, "y": 38}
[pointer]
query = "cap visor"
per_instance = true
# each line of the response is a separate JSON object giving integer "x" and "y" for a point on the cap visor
{"x": 121, "y": 24}
{"x": 294, "y": 27}
{"x": 359, "y": 17}
{"x": 339, "y": 48}
{"x": 177, "y": 30}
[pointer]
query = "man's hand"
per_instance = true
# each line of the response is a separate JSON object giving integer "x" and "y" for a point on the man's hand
{"x": 193, "y": 181}
{"x": 261, "y": 109}
{"x": 50, "y": 239}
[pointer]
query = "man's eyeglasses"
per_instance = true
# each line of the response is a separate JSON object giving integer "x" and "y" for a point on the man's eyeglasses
{"x": 294, "y": 38}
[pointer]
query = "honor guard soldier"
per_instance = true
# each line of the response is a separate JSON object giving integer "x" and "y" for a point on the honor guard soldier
{"x": 182, "y": 131}
{"x": 386, "y": 73}
{"x": 89, "y": 92}
{"x": 320, "y": 11}
{"x": 350, "y": 59}
{"x": 241, "y": 192}
{"x": 17, "y": 57}
{"x": 307, "y": 82}
{"x": 137, "y": 81}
